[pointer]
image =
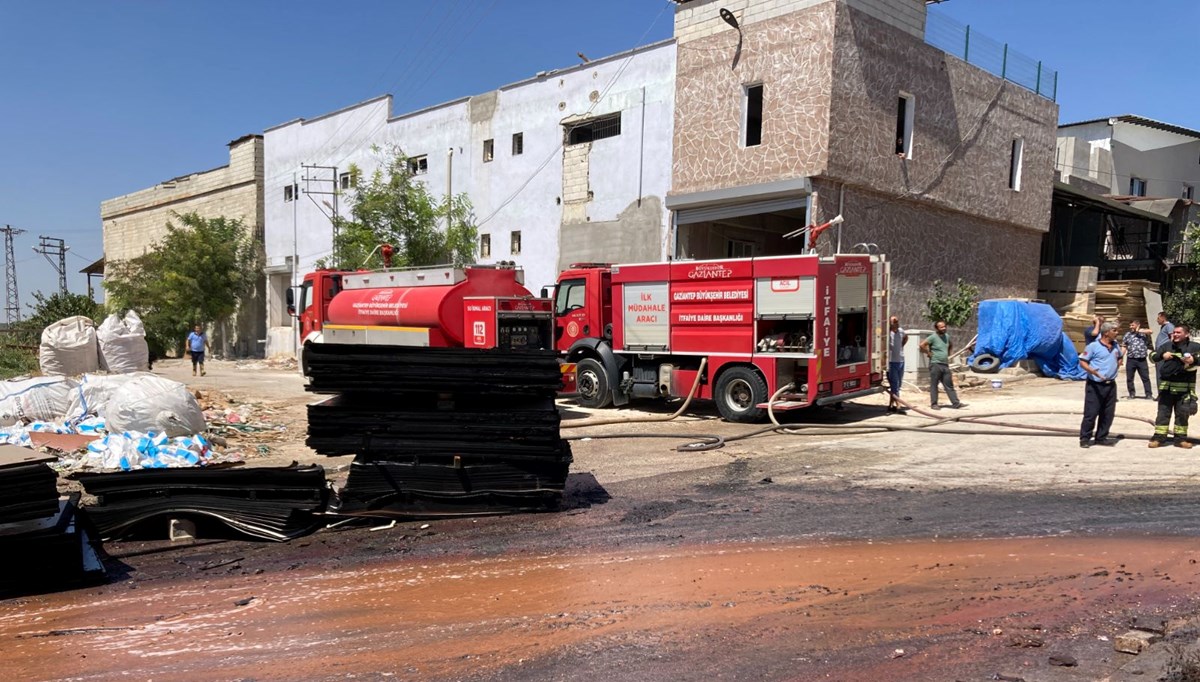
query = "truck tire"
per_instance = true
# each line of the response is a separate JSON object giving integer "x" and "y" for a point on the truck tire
{"x": 986, "y": 363}
{"x": 591, "y": 384}
{"x": 738, "y": 392}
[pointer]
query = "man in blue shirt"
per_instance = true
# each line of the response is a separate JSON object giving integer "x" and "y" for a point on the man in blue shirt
{"x": 197, "y": 342}
{"x": 1101, "y": 360}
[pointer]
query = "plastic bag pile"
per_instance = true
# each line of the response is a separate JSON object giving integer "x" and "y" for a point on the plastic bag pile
{"x": 145, "y": 421}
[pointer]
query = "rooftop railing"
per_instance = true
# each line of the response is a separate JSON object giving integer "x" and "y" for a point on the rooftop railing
{"x": 990, "y": 55}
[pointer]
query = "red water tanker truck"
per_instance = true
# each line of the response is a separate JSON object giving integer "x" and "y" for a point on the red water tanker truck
{"x": 749, "y": 327}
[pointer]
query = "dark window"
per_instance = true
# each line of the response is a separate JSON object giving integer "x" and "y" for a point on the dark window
{"x": 346, "y": 181}
{"x": 418, "y": 165}
{"x": 514, "y": 243}
{"x": 1014, "y": 164}
{"x": 754, "y": 115}
{"x": 594, "y": 129}
{"x": 1189, "y": 192}
{"x": 485, "y": 246}
{"x": 904, "y": 126}
{"x": 1137, "y": 187}
{"x": 489, "y": 150}
{"x": 518, "y": 147}
{"x": 289, "y": 193}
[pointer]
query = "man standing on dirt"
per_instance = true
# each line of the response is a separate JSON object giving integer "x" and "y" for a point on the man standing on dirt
{"x": 1176, "y": 386}
{"x": 197, "y": 342}
{"x": 937, "y": 347}
{"x": 896, "y": 340}
{"x": 1135, "y": 343}
{"x": 1101, "y": 360}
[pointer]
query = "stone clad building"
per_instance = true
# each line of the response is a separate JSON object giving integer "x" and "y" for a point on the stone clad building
{"x": 810, "y": 108}
{"x": 132, "y": 223}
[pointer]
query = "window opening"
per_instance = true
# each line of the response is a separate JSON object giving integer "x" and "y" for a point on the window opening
{"x": 289, "y": 192}
{"x": 485, "y": 246}
{"x": 518, "y": 144}
{"x": 904, "y": 125}
{"x": 514, "y": 242}
{"x": 593, "y": 129}
{"x": 346, "y": 181}
{"x": 1014, "y": 167}
{"x": 418, "y": 165}
{"x": 1189, "y": 192}
{"x": 1137, "y": 187}
{"x": 489, "y": 150}
{"x": 754, "y": 116}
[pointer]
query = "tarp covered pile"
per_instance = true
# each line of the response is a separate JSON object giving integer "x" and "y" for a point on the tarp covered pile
{"x": 440, "y": 430}
{"x": 1015, "y": 330}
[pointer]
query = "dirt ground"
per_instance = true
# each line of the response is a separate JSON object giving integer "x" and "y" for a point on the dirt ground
{"x": 845, "y": 552}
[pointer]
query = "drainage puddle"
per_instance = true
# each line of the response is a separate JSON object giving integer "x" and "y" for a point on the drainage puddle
{"x": 845, "y": 611}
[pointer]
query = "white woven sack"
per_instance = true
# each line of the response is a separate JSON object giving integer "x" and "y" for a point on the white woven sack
{"x": 69, "y": 347}
{"x": 151, "y": 403}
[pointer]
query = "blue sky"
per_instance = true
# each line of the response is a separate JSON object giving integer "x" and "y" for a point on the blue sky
{"x": 100, "y": 98}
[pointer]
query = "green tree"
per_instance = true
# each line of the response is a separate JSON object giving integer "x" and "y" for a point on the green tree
{"x": 50, "y": 309}
{"x": 953, "y": 306}
{"x": 198, "y": 274}
{"x": 391, "y": 206}
{"x": 1182, "y": 301}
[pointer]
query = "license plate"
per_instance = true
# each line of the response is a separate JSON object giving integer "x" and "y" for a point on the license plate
{"x": 849, "y": 384}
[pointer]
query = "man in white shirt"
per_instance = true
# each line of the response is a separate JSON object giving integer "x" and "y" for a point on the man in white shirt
{"x": 896, "y": 340}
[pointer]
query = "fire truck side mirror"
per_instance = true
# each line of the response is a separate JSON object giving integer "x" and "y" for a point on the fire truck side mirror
{"x": 291, "y": 301}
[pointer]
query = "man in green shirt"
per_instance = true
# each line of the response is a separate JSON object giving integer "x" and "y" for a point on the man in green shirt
{"x": 937, "y": 347}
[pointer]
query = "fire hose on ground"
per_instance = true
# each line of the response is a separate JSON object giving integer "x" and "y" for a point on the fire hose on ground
{"x": 941, "y": 424}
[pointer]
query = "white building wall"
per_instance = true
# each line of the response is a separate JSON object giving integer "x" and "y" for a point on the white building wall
{"x": 511, "y": 192}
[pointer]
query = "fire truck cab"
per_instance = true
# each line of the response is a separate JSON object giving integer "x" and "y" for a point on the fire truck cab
{"x": 818, "y": 324}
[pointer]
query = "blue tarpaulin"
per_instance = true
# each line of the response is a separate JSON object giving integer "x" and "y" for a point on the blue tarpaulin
{"x": 1015, "y": 330}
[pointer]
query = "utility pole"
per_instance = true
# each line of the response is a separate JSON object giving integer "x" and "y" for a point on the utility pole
{"x": 315, "y": 184}
{"x": 53, "y": 246}
{"x": 12, "y": 306}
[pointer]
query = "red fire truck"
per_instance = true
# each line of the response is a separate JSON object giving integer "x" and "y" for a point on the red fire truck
{"x": 640, "y": 331}
{"x": 472, "y": 307}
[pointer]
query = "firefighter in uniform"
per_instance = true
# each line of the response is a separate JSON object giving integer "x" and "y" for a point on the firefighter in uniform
{"x": 1176, "y": 386}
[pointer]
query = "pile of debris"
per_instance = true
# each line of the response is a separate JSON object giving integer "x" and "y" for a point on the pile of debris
{"x": 440, "y": 431}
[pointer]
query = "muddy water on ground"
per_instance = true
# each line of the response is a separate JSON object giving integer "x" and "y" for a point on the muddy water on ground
{"x": 795, "y": 612}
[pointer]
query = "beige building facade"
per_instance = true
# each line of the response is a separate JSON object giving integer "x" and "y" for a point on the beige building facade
{"x": 134, "y": 222}
{"x": 794, "y": 111}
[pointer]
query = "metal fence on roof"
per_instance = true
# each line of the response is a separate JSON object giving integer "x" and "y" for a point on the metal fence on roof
{"x": 998, "y": 58}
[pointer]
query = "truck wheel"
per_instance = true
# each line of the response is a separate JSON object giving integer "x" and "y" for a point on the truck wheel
{"x": 738, "y": 392}
{"x": 591, "y": 383}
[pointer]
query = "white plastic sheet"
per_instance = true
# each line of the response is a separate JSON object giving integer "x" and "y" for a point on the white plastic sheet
{"x": 69, "y": 347}
{"x": 122, "y": 344}
{"x": 150, "y": 403}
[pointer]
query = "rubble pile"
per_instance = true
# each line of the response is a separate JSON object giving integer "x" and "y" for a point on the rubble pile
{"x": 438, "y": 431}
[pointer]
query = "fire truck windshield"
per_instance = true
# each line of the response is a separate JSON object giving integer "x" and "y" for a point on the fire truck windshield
{"x": 569, "y": 295}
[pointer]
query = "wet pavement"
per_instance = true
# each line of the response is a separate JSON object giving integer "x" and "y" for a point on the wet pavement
{"x": 959, "y": 609}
